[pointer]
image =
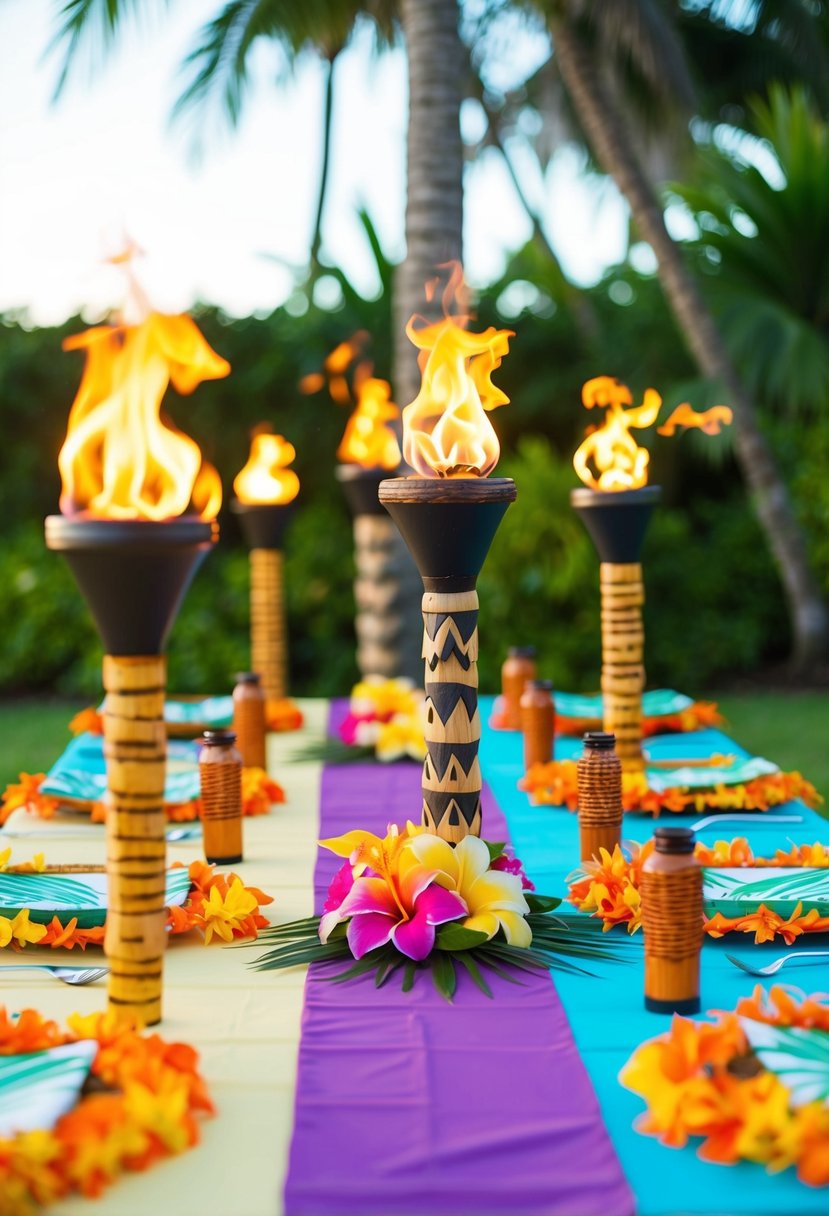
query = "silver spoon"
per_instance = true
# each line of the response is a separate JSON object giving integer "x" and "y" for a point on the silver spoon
{"x": 774, "y": 967}
{"x": 757, "y": 818}
{"x": 69, "y": 975}
{"x": 191, "y": 832}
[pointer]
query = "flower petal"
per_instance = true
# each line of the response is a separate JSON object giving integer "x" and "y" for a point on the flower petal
{"x": 440, "y": 905}
{"x": 484, "y": 922}
{"x": 516, "y": 930}
{"x": 416, "y": 937}
{"x": 437, "y": 855}
{"x": 369, "y": 895}
{"x": 368, "y": 932}
{"x": 495, "y": 890}
{"x": 472, "y": 857}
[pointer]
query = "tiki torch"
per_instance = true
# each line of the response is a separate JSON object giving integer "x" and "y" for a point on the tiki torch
{"x": 616, "y": 505}
{"x": 138, "y": 512}
{"x": 448, "y": 513}
{"x": 265, "y": 492}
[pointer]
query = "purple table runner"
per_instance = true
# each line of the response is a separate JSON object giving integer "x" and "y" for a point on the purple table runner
{"x": 407, "y": 1106}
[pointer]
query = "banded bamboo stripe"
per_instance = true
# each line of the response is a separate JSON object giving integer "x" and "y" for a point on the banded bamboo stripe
{"x": 221, "y": 796}
{"x": 268, "y": 636}
{"x": 135, "y": 747}
{"x": 451, "y": 772}
{"x": 623, "y": 672}
{"x": 599, "y": 777}
{"x": 672, "y": 919}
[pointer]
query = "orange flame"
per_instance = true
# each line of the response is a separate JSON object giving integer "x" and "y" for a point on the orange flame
{"x": 368, "y": 440}
{"x": 710, "y": 422}
{"x": 120, "y": 459}
{"x": 266, "y": 477}
{"x": 610, "y": 449}
{"x": 446, "y": 431}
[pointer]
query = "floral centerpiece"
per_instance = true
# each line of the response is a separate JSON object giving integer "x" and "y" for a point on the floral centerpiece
{"x": 608, "y": 888}
{"x": 411, "y": 902}
{"x": 751, "y": 1086}
{"x": 386, "y": 717}
{"x": 141, "y": 1103}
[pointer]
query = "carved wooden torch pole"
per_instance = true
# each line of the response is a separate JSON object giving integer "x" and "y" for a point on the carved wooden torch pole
{"x": 368, "y": 453}
{"x": 129, "y": 482}
{"x": 448, "y": 513}
{"x": 265, "y": 492}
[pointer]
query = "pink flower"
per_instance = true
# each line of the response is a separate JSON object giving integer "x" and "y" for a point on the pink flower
{"x": 511, "y": 865}
{"x": 404, "y": 911}
{"x": 341, "y": 884}
{"x": 348, "y": 726}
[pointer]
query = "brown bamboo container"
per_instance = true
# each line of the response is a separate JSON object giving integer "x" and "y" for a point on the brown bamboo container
{"x": 249, "y": 720}
{"x": 135, "y": 747}
{"x": 672, "y": 919}
{"x": 538, "y": 722}
{"x": 517, "y": 669}
{"x": 599, "y": 777}
{"x": 269, "y": 644}
{"x": 220, "y": 772}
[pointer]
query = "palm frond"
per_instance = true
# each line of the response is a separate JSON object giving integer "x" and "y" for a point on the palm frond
{"x": 93, "y": 24}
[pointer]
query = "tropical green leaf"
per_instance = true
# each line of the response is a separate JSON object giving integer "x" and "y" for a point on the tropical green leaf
{"x": 541, "y": 903}
{"x": 443, "y": 974}
{"x": 409, "y": 970}
{"x": 455, "y": 938}
{"x": 496, "y": 849}
{"x": 468, "y": 961}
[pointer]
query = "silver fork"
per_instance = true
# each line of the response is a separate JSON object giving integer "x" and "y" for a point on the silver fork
{"x": 758, "y": 819}
{"x": 774, "y": 967}
{"x": 69, "y": 975}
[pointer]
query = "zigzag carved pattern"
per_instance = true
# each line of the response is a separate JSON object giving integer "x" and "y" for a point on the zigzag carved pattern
{"x": 442, "y": 638}
{"x": 452, "y": 816}
{"x": 454, "y": 778}
{"x": 444, "y": 699}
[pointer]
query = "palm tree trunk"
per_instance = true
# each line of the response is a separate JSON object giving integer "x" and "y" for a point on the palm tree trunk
{"x": 606, "y": 131}
{"x": 328, "y": 112}
{"x": 434, "y": 233}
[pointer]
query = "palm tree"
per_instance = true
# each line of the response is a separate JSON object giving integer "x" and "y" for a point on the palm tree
{"x": 218, "y": 65}
{"x": 582, "y": 44}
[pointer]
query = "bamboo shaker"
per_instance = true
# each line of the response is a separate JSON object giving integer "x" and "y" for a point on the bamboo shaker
{"x": 249, "y": 719}
{"x": 672, "y": 919}
{"x": 599, "y": 776}
{"x": 220, "y": 770}
{"x": 518, "y": 668}
{"x": 538, "y": 722}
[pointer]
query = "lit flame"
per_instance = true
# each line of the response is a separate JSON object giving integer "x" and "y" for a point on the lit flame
{"x": 710, "y": 422}
{"x": 368, "y": 440}
{"x": 120, "y": 460}
{"x": 446, "y": 431}
{"x": 266, "y": 477}
{"x": 610, "y": 458}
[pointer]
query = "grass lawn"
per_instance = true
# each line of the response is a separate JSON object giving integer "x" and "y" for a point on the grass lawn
{"x": 790, "y": 728}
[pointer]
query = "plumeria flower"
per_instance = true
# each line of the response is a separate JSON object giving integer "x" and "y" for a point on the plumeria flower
{"x": 494, "y": 899}
{"x": 398, "y": 901}
{"x": 403, "y": 736}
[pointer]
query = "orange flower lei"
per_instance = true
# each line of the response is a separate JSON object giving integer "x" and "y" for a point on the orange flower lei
{"x": 702, "y": 1080}
{"x": 259, "y": 793}
{"x": 555, "y": 784}
{"x": 281, "y": 715}
{"x": 219, "y": 906}
{"x": 608, "y": 888}
{"x": 144, "y": 1107}
{"x": 699, "y": 716}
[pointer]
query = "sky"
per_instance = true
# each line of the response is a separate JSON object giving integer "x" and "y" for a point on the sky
{"x": 233, "y": 227}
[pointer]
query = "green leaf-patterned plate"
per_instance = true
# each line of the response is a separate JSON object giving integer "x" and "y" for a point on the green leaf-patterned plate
{"x": 658, "y": 703}
{"x": 79, "y": 774}
{"x": 740, "y": 891}
{"x": 78, "y": 894}
{"x": 799, "y": 1057}
{"x": 39, "y": 1087}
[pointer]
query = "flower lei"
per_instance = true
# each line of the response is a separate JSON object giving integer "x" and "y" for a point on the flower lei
{"x": 142, "y": 1106}
{"x": 703, "y": 1080}
{"x": 608, "y": 888}
{"x": 386, "y": 716}
{"x": 702, "y": 715}
{"x": 218, "y": 906}
{"x": 259, "y": 793}
{"x": 281, "y": 714}
{"x": 409, "y": 900}
{"x": 555, "y": 784}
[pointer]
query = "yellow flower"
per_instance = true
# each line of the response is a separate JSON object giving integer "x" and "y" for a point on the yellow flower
{"x": 4, "y": 859}
{"x": 163, "y": 1112}
{"x": 23, "y": 930}
{"x": 223, "y": 915}
{"x": 385, "y": 697}
{"x": 403, "y": 736}
{"x": 494, "y": 898}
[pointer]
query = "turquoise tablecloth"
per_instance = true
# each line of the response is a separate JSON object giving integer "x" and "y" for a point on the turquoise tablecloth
{"x": 607, "y": 1014}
